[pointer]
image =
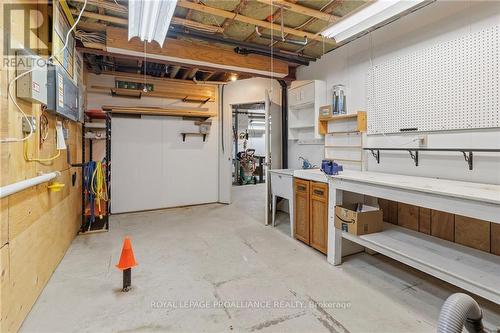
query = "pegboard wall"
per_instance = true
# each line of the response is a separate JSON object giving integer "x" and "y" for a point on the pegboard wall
{"x": 450, "y": 86}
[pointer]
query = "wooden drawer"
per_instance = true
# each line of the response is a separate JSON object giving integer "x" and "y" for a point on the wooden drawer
{"x": 319, "y": 190}
{"x": 301, "y": 186}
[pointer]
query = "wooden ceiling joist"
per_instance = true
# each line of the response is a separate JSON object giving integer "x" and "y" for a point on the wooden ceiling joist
{"x": 250, "y": 20}
{"x": 106, "y": 5}
{"x": 174, "y": 71}
{"x": 106, "y": 18}
{"x": 301, "y": 10}
{"x": 195, "y": 55}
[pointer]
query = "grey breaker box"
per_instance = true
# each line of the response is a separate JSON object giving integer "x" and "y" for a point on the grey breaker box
{"x": 62, "y": 93}
{"x": 33, "y": 85}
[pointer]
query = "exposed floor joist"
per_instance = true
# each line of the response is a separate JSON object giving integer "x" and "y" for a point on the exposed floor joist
{"x": 250, "y": 20}
{"x": 301, "y": 9}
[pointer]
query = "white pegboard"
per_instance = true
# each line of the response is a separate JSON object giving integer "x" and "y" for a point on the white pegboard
{"x": 449, "y": 86}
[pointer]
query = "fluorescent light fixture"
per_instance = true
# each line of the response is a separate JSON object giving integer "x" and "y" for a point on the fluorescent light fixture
{"x": 370, "y": 16}
{"x": 149, "y": 19}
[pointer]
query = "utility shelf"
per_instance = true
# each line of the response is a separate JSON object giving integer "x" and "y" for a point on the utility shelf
{"x": 414, "y": 152}
{"x": 359, "y": 117}
{"x": 344, "y": 147}
{"x": 156, "y": 111}
{"x": 95, "y": 125}
{"x": 344, "y": 160}
{"x": 470, "y": 269}
{"x": 193, "y": 134}
{"x": 343, "y": 132}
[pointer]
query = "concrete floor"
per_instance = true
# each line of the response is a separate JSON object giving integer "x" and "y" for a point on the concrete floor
{"x": 221, "y": 258}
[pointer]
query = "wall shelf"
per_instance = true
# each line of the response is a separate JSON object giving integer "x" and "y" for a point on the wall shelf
{"x": 359, "y": 116}
{"x": 343, "y": 140}
{"x": 156, "y": 111}
{"x": 343, "y": 132}
{"x": 414, "y": 152}
{"x": 193, "y": 134}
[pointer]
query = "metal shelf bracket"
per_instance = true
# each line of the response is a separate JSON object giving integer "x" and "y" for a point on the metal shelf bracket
{"x": 414, "y": 156}
{"x": 376, "y": 155}
{"x": 468, "y": 158}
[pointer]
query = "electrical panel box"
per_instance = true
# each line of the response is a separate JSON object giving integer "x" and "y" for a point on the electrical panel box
{"x": 63, "y": 93}
{"x": 32, "y": 86}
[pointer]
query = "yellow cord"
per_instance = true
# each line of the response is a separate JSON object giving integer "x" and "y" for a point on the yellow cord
{"x": 40, "y": 160}
{"x": 98, "y": 187}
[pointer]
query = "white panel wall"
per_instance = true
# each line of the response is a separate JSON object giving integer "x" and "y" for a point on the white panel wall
{"x": 151, "y": 166}
{"x": 349, "y": 65}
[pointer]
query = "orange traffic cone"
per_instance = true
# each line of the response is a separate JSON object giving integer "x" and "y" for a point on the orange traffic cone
{"x": 127, "y": 261}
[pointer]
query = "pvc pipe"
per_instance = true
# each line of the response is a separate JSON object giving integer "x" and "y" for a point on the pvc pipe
{"x": 7, "y": 190}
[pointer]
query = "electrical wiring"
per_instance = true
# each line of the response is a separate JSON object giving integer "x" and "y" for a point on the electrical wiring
{"x": 90, "y": 37}
{"x": 44, "y": 128}
{"x": 98, "y": 186}
{"x": 40, "y": 160}
{"x": 9, "y": 86}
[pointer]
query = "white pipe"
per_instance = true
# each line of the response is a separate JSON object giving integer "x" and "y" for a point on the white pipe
{"x": 7, "y": 190}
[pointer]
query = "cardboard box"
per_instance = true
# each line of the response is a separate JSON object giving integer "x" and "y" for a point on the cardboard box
{"x": 358, "y": 223}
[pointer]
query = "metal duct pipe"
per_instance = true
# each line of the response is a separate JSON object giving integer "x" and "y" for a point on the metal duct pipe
{"x": 246, "y": 51}
{"x": 460, "y": 310}
{"x": 301, "y": 60}
{"x": 7, "y": 190}
{"x": 284, "y": 124}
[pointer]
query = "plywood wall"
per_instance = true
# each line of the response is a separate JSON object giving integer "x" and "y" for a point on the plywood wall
{"x": 36, "y": 225}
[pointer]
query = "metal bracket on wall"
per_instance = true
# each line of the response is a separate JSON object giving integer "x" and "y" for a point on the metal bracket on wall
{"x": 468, "y": 158}
{"x": 414, "y": 156}
{"x": 414, "y": 152}
{"x": 376, "y": 155}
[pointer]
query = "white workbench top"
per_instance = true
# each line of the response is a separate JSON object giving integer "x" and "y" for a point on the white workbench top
{"x": 311, "y": 174}
{"x": 288, "y": 172}
{"x": 460, "y": 189}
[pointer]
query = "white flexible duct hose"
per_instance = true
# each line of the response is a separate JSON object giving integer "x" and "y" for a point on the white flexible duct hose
{"x": 460, "y": 310}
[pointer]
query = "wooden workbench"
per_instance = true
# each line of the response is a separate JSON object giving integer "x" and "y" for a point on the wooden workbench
{"x": 467, "y": 268}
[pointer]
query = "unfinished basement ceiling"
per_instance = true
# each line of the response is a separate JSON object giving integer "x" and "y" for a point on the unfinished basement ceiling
{"x": 203, "y": 27}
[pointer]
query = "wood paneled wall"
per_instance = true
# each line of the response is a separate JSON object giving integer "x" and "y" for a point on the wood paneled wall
{"x": 478, "y": 234}
{"x": 36, "y": 225}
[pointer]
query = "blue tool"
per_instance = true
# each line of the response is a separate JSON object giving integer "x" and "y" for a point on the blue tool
{"x": 330, "y": 167}
{"x": 306, "y": 164}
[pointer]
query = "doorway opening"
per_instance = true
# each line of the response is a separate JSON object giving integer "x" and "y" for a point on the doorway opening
{"x": 249, "y": 150}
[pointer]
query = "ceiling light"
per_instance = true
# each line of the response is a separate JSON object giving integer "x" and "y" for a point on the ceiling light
{"x": 149, "y": 19}
{"x": 233, "y": 77}
{"x": 370, "y": 16}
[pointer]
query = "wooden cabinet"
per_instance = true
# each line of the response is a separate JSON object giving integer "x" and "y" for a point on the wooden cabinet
{"x": 318, "y": 203}
{"x": 311, "y": 213}
{"x": 304, "y": 100}
{"x": 301, "y": 225}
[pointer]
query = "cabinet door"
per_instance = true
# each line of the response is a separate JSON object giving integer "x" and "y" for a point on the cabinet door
{"x": 301, "y": 207}
{"x": 319, "y": 216}
{"x": 293, "y": 97}
{"x": 307, "y": 93}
